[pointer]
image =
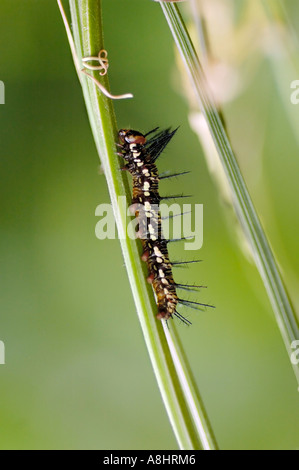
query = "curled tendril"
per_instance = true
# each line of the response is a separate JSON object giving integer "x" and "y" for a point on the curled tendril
{"x": 105, "y": 91}
{"x": 102, "y": 58}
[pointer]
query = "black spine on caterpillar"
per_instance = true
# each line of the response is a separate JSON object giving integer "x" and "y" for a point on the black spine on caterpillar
{"x": 140, "y": 155}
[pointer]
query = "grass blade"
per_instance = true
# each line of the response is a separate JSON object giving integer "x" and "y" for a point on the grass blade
{"x": 175, "y": 383}
{"x": 284, "y": 312}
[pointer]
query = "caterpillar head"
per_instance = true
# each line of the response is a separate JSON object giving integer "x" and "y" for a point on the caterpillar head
{"x": 131, "y": 138}
{"x": 132, "y": 143}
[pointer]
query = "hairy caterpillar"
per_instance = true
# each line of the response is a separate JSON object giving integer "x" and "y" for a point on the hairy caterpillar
{"x": 140, "y": 155}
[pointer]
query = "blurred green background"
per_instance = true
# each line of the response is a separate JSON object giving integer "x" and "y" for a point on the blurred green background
{"x": 77, "y": 374}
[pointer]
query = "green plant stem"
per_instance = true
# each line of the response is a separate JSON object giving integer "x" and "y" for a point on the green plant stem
{"x": 264, "y": 258}
{"x": 177, "y": 388}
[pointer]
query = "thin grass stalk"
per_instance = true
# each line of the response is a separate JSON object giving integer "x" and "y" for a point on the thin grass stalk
{"x": 284, "y": 312}
{"x": 174, "y": 381}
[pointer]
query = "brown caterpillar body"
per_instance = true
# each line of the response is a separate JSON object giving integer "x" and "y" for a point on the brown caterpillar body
{"x": 140, "y": 155}
{"x": 145, "y": 202}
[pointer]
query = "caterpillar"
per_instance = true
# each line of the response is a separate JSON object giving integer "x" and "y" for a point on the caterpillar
{"x": 140, "y": 155}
